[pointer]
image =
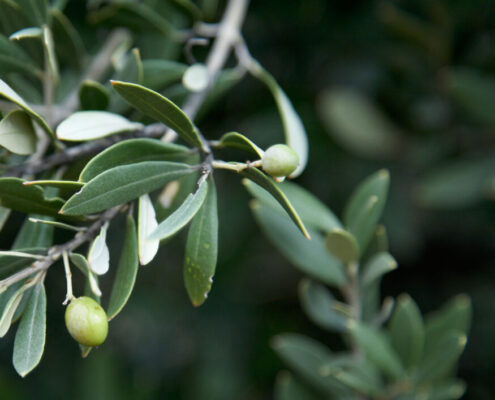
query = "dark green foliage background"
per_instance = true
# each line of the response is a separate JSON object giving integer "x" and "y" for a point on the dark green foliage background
{"x": 161, "y": 347}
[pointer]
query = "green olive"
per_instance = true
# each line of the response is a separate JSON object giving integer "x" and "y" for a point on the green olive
{"x": 86, "y": 321}
{"x": 279, "y": 160}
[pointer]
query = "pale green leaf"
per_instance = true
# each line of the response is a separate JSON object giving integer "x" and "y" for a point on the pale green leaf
{"x": 147, "y": 223}
{"x": 132, "y": 151}
{"x": 30, "y": 337}
{"x": 342, "y": 245}
{"x": 202, "y": 249}
{"x": 126, "y": 272}
{"x": 98, "y": 255}
{"x": 8, "y": 93}
{"x": 295, "y": 134}
{"x": 4, "y": 216}
{"x": 238, "y": 141}
{"x": 365, "y": 207}
{"x": 318, "y": 302}
{"x": 311, "y": 210}
{"x": 376, "y": 267}
{"x": 65, "y": 185}
{"x": 181, "y": 217}
{"x": 91, "y": 125}
{"x": 269, "y": 185}
{"x": 49, "y": 54}
{"x": 156, "y": 106}
{"x": 26, "y": 33}
{"x": 122, "y": 184}
{"x": 310, "y": 256}
{"x": 10, "y": 264}
{"x": 10, "y": 308}
{"x": 357, "y": 124}
{"x": 377, "y": 348}
{"x": 407, "y": 331}
{"x": 92, "y": 281}
{"x": 17, "y": 133}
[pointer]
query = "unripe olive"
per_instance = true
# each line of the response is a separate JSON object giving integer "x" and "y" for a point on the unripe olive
{"x": 279, "y": 160}
{"x": 86, "y": 321}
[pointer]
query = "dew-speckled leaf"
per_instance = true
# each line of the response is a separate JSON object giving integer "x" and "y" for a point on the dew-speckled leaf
{"x": 269, "y": 185}
{"x": 311, "y": 210}
{"x": 317, "y": 302}
{"x": 342, "y": 245}
{"x": 130, "y": 152}
{"x": 17, "y": 133}
{"x": 407, "y": 331}
{"x": 99, "y": 255}
{"x": 295, "y": 134}
{"x": 310, "y": 256}
{"x": 202, "y": 249}
{"x": 156, "y": 106}
{"x": 30, "y": 337}
{"x": 26, "y": 33}
{"x": 365, "y": 206}
{"x": 181, "y": 217}
{"x": 124, "y": 183}
{"x": 93, "y": 95}
{"x": 27, "y": 199}
{"x": 91, "y": 125}
{"x": 8, "y": 93}
{"x": 377, "y": 348}
{"x": 147, "y": 223}
{"x": 236, "y": 140}
{"x": 125, "y": 276}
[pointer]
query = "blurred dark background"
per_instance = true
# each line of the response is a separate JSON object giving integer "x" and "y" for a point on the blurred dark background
{"x": 419, "y": 78}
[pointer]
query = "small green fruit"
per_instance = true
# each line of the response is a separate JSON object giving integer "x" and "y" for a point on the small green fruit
{"x": 279, "y": 160}
{"x": 86, "y": 321}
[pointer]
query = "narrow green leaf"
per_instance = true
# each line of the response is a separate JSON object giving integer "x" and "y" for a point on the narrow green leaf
{"x": 17, "y": 133}
{"x": 35, "y": 10}
{"x": 342, "y": 245}
{"x": 181, "y": 217}
{"x": 65, "y": 185}
{"x": 56, "y": 224}
{"x": 311, "y": 210}
{"x": 91, "y": 288}
{"x": 69, "y": 45}
{"x": 11, "y": 264}
{"x": 121, "y": 184}
{"x": 30, "y": 337}
{"x": 376, "y": 267}
{"x": 32, "y": 235}
{"x": 365, "y": 206}
{"x": 202, "y": 249}
{"x": 407, "y": 331}
{"x": 439, "y": 361}
{"x": 455, "y": 315}
{"x": 267, "y": 183}
{"x": 8, "y": 93}
{"x": 305, "y": 357}
{"x": 156, "y": 106}
{"x": 287, "y": 387}
{"x": 317, "y": 302}
{"x": 355, "y": 380}
{"x": 236, "y": 140}
{"x": 98, "y": 254}
{"x": 160, "y": 73}
{"x": 4, "y": 216}
{"x": 126, "y": 272}
{"x": 449, "y": 390}
{"x": 91, "y": 125}
{"x": 27, "y": 199}
{"x": 377, "y": 348}
{"x": 147, "y": 223}
{"x": 49, "y": 53}
{"x": 93, "y": 96}
{"x": 356, "y": 123}
{"x": 130, "y": 152}
{"x": 10, "y": 308}
{"x": 310, "y": 256}
{"x": 26, "y": 33}
{"x": 295, "y": 134}
{"x": 13, "y": 58}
